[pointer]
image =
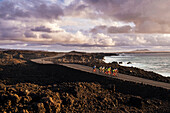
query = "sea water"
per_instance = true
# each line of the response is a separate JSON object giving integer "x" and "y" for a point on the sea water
{"x": 156, "y": 62}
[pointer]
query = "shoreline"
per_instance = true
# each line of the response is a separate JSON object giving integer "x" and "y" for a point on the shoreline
{"x": 97, "y": 59}
{"x": 89, "y": 59}
{"x": 134, "y": 66}
{"x": 139, "y": 61}
{"x": 26, "y": 86}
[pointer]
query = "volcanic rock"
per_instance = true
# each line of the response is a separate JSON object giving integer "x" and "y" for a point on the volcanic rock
{"x": 136, "y": 101}
{"x": 129, "y": 62}
{"x": 120, "y": 62}
{"x": 14, "y": 98}
{"x": 41, "y": 108}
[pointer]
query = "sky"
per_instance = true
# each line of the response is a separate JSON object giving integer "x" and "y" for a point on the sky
{"x": 85, "y": 25}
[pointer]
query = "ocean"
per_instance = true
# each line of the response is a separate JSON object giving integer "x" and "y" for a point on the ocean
{"x": 156, "y": 62}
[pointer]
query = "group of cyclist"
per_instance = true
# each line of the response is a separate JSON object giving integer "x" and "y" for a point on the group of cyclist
{"x": 108, "y": 71}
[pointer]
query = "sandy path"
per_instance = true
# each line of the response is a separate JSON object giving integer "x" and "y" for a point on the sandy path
{"x": 120, "y": 76}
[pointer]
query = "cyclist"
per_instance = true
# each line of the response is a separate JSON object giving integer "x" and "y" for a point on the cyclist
{"x": 94, "y": 68}
{"x": 114, "y": 74}
{"x": 116, "y": 71}
{"x": 109, "y": 70}
{"x": 100, "y": 69}
{"x": 103, "y": 69}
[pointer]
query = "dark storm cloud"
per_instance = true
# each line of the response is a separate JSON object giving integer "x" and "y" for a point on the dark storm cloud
{"x": 41, "y": 29}
{"x": 45, "y": 36}
{"x": 44, "y": 29}
{"x": 29, "y": 34}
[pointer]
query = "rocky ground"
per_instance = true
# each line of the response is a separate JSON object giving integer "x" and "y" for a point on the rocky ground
{"x": 28, "y": 87}
{"x": 73, "y": 97}
{"x": 24, "y": 54}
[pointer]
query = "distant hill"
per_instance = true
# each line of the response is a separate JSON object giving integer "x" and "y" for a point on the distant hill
{"x": 77, "y": 52}
{"x": 2, "y": 49}
{"x": 140, "y": 50}
{"x": 145, "y": 51}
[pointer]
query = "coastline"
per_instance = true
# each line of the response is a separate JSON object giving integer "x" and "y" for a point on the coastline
{"x": 91, "y": 59}
{"x": 34, "y": 87}
{"x": 156, "y": 62}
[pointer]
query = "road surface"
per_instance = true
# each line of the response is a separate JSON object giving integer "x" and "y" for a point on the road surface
{"x": 120, "y": 76}
{"x": 46, "y": 59}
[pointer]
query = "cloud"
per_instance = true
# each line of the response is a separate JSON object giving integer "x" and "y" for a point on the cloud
{"x": 78, "y": 8}
{"x": 99, "y": 29}
{"x": 70, "y": 39}
{"x": 10, "y": 11}
{"x": 111, "y": 29}
{"x": 48, "y": 29}
{"x": 29, "y": 34}
{"x": 25, "y": 9}
{"x": 47, "y": 11}
{"x": 10, "y": 35}
{"x": 149, "y": 16}
{"x": 45, "y": 36}
{"x": 93, "y": 24}
{"x": 41, "y": 29}
{"x": 123, "y": 29}
{"x": 105, "y": 40}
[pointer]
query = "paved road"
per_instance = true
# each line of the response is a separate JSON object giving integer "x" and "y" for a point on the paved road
{"x": 46, "y": 59}
{"x": 120, "y": 76}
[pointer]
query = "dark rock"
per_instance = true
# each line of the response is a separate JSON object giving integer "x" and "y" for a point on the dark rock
{"x": 116, "y": 102}
{"x": 124, "y": 110}
{"x": 120, "y": 99}
{"x": 12, "y": 90}
{"x": 21, "y": 56}
{"x": 156, "y": 102}
{"x": 24, "y": 111}
{"x": 129, "y": 62}
{"x": 1, "y": 69}
{"x": 21, "y": 92}
{"x": 9, "y": 103}
{"x": 14, "y": 98}
{"x": 56, "y": 104}
{"x": 83, "y": 92}
{"x": 41, "y": 108}
{"x": 120, "y": 62}
{"x": 3, "y": 97}
{"x": 27, "y": 92}
{"x": 26, "y": 99}
{"x": 136, "y": 101}
{"x": 2, "y": 87}
{"x": 148, "y": 102}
